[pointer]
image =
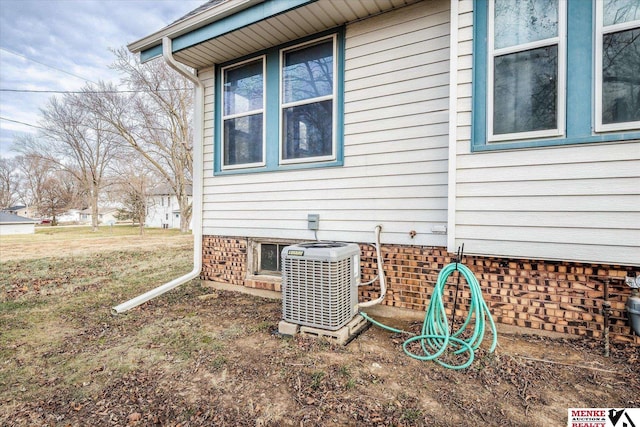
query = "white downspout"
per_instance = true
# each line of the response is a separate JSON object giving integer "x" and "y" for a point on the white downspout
{"x": 197, "y": 187}
{"x": 453, "y": 127}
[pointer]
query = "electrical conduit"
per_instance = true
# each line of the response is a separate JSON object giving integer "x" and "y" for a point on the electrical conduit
{"x": 381, "y": 276}
{"x": 197, "y": 187}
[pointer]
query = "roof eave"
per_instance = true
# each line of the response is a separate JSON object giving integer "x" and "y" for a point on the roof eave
{"x": 179, "y": 28}
{"x": 19, "y": 222}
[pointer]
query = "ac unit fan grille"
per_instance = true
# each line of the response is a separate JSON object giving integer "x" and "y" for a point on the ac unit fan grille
{"x": 318, "y": 293}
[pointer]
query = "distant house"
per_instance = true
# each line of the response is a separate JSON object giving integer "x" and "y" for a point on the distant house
{"x": 15, "y": 224}
{"x": 21, "y": 210}
{"x": 105, "y": 216}
{"x": 70, "y": 216}
{"x": 163, "y": 210}
{"x": 510, "y": 127}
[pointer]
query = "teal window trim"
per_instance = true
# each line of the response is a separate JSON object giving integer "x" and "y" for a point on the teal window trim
{"x": 580, "y": 116}
{"x": 241, "y": 19}
{"x": 272, "y": 113}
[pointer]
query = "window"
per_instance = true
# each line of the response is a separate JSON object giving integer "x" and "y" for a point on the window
{"x": 270, "y": 258}
{"x": 554, "y": 72}
{"x": 264, "y": 257}
{"x": 526, "y": 69}
{"x": 307, "y": 102}
{"x": 243, "y": 114}
{"x": 617, "y": 64}
{"x": 281, "y": 108}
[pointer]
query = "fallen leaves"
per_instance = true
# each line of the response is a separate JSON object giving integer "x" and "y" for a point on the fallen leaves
{"x": 194, "y": 357}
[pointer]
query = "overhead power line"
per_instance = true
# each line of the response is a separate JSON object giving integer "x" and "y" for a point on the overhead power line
{"x": 89, "y": 91}
{"x": 22, "y": 123}
{"x": 46, "y": 65}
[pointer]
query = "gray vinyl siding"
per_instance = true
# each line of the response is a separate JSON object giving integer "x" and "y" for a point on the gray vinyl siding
{"x": 395, "y": 146}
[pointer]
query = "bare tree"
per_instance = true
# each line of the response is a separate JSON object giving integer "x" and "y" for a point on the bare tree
{"x": 154, "y": 121}
{"x": 9, "y": 179}
{"x": 57, "y": 195}
{"x": 132, "y": 183}
{"x": 75, "y": 140}
{"x": 34, "y": 171}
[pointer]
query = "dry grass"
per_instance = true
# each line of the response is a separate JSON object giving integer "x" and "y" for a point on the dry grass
{"x": 78, "y": 241}
{"x": 61, "y": 280}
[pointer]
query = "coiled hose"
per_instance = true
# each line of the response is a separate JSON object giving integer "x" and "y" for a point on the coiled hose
{"x": 435, "y": 337}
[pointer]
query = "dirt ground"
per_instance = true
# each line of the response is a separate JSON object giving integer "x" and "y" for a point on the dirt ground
{"x": 197, "y": 356}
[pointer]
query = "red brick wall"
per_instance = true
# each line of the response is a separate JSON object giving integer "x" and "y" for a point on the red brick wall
{"x": 542, "y": 295}
{"x": 224, "y": 259}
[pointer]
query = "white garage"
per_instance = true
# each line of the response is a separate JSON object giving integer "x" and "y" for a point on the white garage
{"x": 15, "y": 224}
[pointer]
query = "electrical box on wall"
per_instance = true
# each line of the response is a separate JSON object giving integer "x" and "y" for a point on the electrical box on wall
{"x": 313, "y": 222}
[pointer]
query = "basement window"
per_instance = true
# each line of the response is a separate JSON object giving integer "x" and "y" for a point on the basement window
{"x": 265, "y": 258}
{"x": 270, "y": 258}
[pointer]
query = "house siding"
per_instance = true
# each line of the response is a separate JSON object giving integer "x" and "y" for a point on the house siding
{"x": 162, "y": 212}
{"x": 395, "y": 145}
{"x": 577, "y": 203}
{"x": 544, "y": 229}
{"x": 7, "y": 229}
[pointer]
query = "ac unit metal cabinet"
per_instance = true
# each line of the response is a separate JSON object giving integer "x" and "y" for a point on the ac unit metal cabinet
{"x": 320, "y": 283}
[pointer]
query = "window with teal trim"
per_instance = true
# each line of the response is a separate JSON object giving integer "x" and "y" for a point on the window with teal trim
{"x": 617, "y": 65}
{"x": 308, "y": 91}
{"x": 243, "y": 114}
{"x": 280, "y": 109}
{"x": 555, "y": 72}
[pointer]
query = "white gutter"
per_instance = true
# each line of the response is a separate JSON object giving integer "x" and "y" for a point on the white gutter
{"x": 453, "y": 128}
{"x": 198, "y": 117}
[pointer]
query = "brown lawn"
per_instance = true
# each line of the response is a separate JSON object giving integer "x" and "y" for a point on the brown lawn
{"x": 197, "y": 356}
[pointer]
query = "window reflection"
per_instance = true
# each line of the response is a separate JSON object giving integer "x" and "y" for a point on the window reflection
{"x": 619, "y": 11}
{"x": 308, "y": 130}
{"x": 524, "y": 21}
{"x": 243, "y": 88}
{"x": 621, "y": 77}
{"x": 308, "y": 72}
{"x": 243, "y": 104}
{"x": 525, "y": 90}
{"x": 307, "y": 101}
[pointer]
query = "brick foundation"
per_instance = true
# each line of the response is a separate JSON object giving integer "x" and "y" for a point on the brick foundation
{"x": 549, "y": 296}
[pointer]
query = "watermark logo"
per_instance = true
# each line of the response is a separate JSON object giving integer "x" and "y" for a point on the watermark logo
{"x": 604, "y": 417}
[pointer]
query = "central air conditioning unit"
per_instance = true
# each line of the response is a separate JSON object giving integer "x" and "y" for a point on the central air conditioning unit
{"x": 320, "y": 284}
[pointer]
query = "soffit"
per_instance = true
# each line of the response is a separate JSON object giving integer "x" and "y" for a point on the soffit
{"x": 303, "y": 21}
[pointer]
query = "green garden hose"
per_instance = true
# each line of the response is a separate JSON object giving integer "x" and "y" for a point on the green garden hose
{"x": 435, "y": 337}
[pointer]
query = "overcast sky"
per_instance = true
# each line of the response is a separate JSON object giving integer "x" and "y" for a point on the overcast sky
{"x": 60, "y": 45}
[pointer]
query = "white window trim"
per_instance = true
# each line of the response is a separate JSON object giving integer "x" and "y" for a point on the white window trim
{"x": 262, "y": 58}
{"x": 601, "y": 30}
{"x": 333, "y": 97}
{"x": 561, "y": 42}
